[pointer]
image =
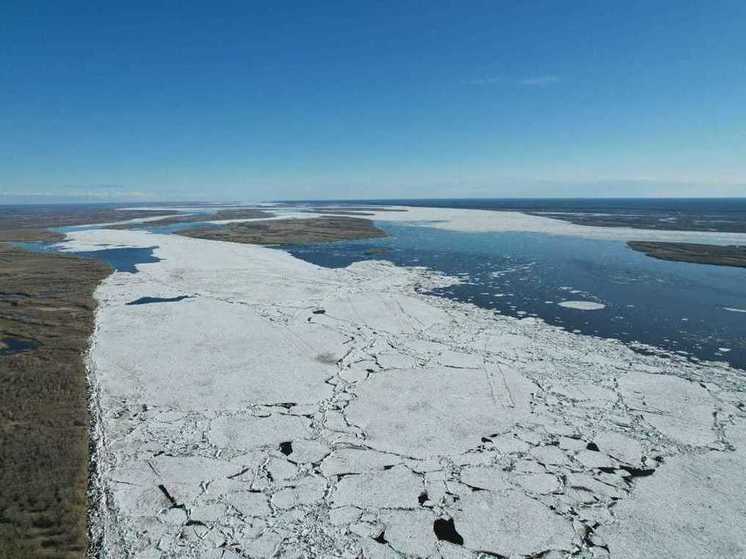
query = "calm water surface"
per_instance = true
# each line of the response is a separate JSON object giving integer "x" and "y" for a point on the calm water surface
{"x": 676, "y": 306}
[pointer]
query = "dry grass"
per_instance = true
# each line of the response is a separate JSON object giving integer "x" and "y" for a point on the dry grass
{"x": 291, "y": 231}
{"x": 46, "y": 313}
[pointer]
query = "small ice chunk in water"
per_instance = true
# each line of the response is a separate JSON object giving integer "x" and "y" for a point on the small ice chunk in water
{"x": 582, "y": 305}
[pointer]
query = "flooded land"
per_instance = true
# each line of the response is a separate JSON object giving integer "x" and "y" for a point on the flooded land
{"x": 46, "y": 319}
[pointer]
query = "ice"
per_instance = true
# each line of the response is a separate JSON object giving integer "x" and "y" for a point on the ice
{"x": 510, "y": 523}
{"x": 406, "y": 412}
{"x": 497, "y": 221}
{"x": 251, "y": 432}
{"x": 394, "y": 488}
{"x": 352, "y": 434}
{"x": 678, "y": 408}
{"x": 582, "y": 305}
{"x": 692, "y": 507}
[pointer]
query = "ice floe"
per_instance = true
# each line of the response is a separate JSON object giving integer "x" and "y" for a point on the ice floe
{"x": 582, "y": 305}
{"x": 244, "y": 423}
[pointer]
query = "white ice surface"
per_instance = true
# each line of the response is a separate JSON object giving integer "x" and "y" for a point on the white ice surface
{"x": 239, "y": 423}
{"x": 483, "y": 221}
{"x": 582, "y": 305}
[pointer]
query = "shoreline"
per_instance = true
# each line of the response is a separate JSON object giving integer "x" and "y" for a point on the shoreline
{"x": 324, "y": 396}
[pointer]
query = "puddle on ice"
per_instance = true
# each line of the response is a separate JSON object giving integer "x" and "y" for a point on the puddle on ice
{"x": 150, "y": 300}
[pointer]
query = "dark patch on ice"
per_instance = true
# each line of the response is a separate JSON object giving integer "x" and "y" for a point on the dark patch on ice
{"x": 592, "y": 446}
{"x": 381, "y": 538}
{"x": 588, "y": 540}
{"x": 319, "y": 311}
{"x": 150, "y": 300}
{"x": 638, "y": 472}
{"x": 445, "y": 530}
{"x": 168, "y": 496}
{"x": 11, "y": 346}
{"x": 486, "y": 440}
{"x": 286, "y": 448}
{"x": 422, "y": 498}
{"x": 632, "y": 472}
{"x": 238, "y": 474}
{"x": 327, "y": 358}
{"x": 388, "y": 466}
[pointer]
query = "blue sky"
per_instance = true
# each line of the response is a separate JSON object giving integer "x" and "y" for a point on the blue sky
{"x": 274, "y": 100}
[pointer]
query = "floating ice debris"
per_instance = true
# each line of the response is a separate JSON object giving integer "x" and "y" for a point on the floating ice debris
{"x": 582, "y": 305}
{"x": 734, "y": 309}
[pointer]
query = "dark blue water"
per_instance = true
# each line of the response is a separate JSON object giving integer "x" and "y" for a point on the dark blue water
{"x": 11, "y": 346}
{"x": 672, "y": 305}
{"x": 120, "y": 259}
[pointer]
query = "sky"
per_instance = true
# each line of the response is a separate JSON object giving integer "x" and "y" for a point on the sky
{"x": 107, "y": 101}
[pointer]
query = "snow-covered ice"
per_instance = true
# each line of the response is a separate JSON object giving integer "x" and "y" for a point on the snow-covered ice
{"x": 242, "y": 422}
{"x": 483, "y": 221}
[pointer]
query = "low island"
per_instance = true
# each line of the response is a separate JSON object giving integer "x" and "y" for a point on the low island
{"x": 291, "y": 231}
{"x": 693, "y": 252}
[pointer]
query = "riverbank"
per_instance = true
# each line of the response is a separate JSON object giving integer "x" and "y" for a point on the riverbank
{"x": 390, "y": 421}
{"x": 46, "y": 320}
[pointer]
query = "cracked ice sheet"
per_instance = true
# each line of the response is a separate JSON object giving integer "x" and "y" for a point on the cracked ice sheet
{"x": 229, "y": 425}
